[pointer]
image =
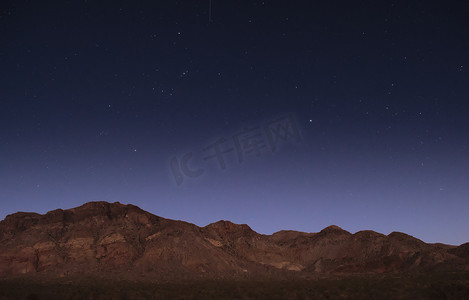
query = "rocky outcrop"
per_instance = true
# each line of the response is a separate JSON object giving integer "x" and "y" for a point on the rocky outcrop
{"x": 101, "y": 238}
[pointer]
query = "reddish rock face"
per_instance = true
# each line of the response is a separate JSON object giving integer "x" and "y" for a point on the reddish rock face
{"x": 101, "y": 237}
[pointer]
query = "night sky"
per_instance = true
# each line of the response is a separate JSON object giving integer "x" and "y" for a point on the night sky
{"x": 278, "y": 114}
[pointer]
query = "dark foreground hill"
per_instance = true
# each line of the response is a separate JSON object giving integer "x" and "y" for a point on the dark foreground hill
{"x": 112, "y": 239}
{"x": 411, "y": 286}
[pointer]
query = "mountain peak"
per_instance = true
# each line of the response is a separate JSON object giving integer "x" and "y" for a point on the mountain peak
{"x": 333, "y": 229}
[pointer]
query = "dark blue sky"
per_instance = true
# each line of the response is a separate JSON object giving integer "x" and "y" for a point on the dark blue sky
{"x": 97, "y": 100}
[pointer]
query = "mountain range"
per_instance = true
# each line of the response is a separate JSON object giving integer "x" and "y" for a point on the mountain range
{"x": 124, "y": 240}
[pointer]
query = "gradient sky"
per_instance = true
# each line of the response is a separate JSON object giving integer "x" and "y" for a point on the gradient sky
{"x": 97, "y": 99}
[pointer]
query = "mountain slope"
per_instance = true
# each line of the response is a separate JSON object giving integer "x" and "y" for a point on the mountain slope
{"x": 105, "y": 238}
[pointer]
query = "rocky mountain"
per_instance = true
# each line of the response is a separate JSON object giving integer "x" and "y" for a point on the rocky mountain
{"x": 112, "y": 238}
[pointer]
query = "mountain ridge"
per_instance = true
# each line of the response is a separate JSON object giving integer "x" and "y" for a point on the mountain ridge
{"x": 101, "y": 237}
